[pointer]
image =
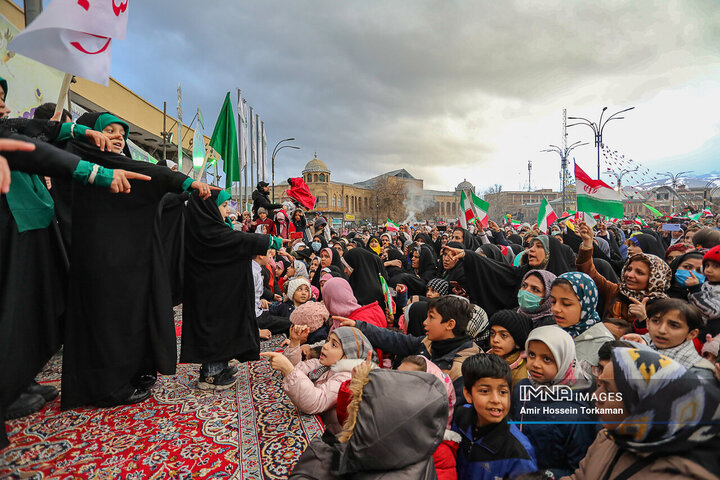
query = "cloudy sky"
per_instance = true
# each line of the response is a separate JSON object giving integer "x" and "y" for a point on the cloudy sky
{"x": 446, "y": 89}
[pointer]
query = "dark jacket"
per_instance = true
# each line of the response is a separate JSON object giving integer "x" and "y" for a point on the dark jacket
{"x": 393, "y": 435}
{"x": 262, "y": 199}
{"x": 560, "y": 441}
{"x": 501, "y": 452}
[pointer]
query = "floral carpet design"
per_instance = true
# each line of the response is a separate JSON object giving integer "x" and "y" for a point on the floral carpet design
{"x": 252, "y": 432}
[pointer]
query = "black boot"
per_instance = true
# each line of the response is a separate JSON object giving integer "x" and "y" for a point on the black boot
{"x": 48, "y": 392}
{"x": 26, "y": 404}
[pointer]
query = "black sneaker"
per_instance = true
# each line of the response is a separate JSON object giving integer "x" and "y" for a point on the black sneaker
{"x": 219, "y": 382}
{"x": 26, "y": 404}
{"x": 48, "y": 392}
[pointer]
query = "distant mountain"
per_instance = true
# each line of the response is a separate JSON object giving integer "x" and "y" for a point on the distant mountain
{"x": 690, "y": 181}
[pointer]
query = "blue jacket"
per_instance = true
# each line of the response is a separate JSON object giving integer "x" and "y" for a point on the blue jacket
{"x": 560, "y": 441}
{"x": 503, "y": 452}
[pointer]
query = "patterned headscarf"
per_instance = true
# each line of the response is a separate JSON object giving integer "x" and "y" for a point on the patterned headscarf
{"x": 658, "y": 282}
{"x": 587, "y": 293}
{"x": 545, "y": 302}
{"x": 668, "y": 408}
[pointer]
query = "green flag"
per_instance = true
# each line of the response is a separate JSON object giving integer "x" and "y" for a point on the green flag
{"x": 654, "y": 211}
{"x": 224, "y": 141}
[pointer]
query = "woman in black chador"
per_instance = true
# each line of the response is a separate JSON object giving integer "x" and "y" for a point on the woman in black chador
{"x": 120, "y": 330}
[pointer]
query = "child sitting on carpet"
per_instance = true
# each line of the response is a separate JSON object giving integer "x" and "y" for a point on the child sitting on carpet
{"x": 313, "y": 385}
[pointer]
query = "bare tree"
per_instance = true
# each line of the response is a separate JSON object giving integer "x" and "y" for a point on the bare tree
{"x": 389, "y": 197}
{"x": 497, "y": 188}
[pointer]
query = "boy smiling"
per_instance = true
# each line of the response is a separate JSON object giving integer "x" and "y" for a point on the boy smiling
{"x": 489, "y": 448}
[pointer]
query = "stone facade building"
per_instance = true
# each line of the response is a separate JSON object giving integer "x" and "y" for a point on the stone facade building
{"x": 395, "y": 195}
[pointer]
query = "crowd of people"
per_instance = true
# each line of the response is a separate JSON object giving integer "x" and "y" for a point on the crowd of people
{"x": 427, "y": 351}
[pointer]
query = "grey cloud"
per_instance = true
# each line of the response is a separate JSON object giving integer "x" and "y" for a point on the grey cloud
{"x": 366, "y": 84}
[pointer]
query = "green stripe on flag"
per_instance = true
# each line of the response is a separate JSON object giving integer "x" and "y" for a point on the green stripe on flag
{"x": 653, "y": 210}
{"x": 609, "y": 208}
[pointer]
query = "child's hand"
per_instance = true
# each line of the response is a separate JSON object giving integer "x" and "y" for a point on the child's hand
{"x": 637, "y": 309}
{"x": 285, "y": 342}
{"x": 344, "y": 322}
{"x": 366, "y": 364}
{"x": 264, "y": 304}
{"x": 692, "y": 281}
{"x": 634, "y": 337}
{"x": 277, "y": 298}
{"x": 298, "y": 335}
{"x": 279, "y": 362}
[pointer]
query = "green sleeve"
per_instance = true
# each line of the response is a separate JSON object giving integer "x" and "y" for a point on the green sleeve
{"x": 84, "y": 170}
{"x": 67, "y": 132}
{"x": 186, "y": 184}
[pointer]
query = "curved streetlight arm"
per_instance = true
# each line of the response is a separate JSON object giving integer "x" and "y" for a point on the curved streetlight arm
{"x": 278, "y": 144}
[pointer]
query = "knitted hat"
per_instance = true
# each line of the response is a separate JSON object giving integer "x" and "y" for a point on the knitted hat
{"x": 439, "y": 285}
{"x": 712, "y": 254}
{"x": 311, "y": 314}
{"x": 354, "y": 343}
{"x": 712, "y": 345}
{"x": 294, "y": 284}
{"x": 516, "y": 324}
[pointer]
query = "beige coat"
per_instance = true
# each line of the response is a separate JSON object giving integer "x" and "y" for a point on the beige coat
{"x": 602, "y": 451}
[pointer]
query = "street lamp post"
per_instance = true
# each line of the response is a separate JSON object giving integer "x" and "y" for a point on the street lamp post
{"x": 564, "y": 153}
{"x": 707, "y": 190}
{"x": 275, "y": 151}
{"x": 598, "y": 128}
{"x": 620, "y": 175}
{"x": 674, "y": 179}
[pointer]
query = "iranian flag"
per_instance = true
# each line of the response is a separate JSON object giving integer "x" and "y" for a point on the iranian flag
{"x": 546, "y": 216}
{"x": 596, "y": 196}
{"x": 473, "y": 207}
{"x": 391, "y": 227}
{"x": 640, "y": 221}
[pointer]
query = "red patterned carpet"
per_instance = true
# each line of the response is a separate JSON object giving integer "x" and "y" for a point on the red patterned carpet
{"x": 250, "y": 432}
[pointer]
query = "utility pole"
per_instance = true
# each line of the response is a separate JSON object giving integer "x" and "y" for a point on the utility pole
{"x": 529, "y": 174}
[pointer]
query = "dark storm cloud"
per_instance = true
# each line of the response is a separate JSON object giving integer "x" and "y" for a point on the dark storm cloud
{"x": 373, "y": 85}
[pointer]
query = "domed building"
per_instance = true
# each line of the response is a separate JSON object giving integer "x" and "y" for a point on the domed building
{"x": 361, "y": 202}
{"x": 316, "y": 171}
{"x": 464, "y": 185}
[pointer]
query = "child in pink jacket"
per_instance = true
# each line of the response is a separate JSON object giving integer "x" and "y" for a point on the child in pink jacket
{"x": 313, "y": 385}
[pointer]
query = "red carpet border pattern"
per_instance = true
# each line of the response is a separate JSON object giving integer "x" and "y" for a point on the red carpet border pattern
{"x": 252, "y": 432}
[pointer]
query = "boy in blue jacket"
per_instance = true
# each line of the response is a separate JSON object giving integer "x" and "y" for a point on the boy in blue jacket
{"x": 490, "y": 448}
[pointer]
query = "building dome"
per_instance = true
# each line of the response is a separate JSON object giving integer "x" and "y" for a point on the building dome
{"x": 464, "y": 185}
{"x": 316, "y": 165}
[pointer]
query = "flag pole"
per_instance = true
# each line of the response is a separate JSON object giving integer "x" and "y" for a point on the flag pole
{"x": 63, "y": 96}
{"x": 252, "y": 150}
{"x": 240, "y": 143}
{"x": 209, "y": 152}
{"x": 257, "y": 149}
